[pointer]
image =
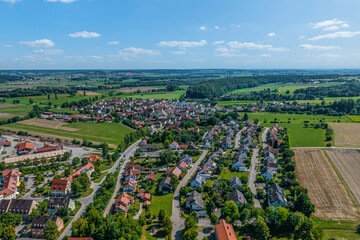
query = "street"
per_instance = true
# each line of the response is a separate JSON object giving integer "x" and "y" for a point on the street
{"x": 176, "y": 219}
{"x": 252, "y": 175}
{"x": 96, "y": 186}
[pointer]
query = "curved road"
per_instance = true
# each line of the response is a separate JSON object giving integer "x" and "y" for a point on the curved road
{"x": 177, "y": 221}
{"x": 96, "y": 186}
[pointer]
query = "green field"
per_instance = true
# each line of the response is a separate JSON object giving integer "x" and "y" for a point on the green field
{"x": 111, "y": 133}
{"x": 299, "y": 136}
{"x": 161, "y": 202}
{"x": 154, "y": 95}
{"x": 227, "y": 175}
{"x": 354, "y": 118}
{"x": 338, "y": 229}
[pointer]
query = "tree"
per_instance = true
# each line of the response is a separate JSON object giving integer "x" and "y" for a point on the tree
{"x": 161, "y": 215}
{"x": 66, "y": 156}
{"x": 317, "y": 233}
{"x": 9, "y": 233}
{"x": 190, "y": 234}
{"x": 231, "y": 210}
{"x": 31, "y": 101}
{"x": 76, "y": 161}
{"x": 190, "y": 222}
{"x": 167, "y": 225}
{"x": 166, "y": 156}
{"x": 51, "y": 231}
{"x": 246, "y": 117}
{"x": 261, "y": 230}
{"x": 304, "y": 205}
{"x": 214, "y": 219}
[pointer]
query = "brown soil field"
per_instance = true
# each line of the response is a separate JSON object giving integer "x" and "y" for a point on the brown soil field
{"x": 346, "y": 134}
{"x": 347, "y": 162}
{"x": 88, "y": 93}
{"x": 48, "y": 124}
{"x": 6, "y": 115}
{"x": 325, "y": 188}
{"x": 134, "y": 89}
{"x": 4, "y": 105}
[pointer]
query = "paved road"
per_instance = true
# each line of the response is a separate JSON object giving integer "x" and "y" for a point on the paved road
{"x": 252, "y": 175}
{"x": 238, "y": 137}
{"x": 263, "y": 137}
{"x": 128, "y": 154}
{"x": 176, "y": 219}
{"x": 140, "y": 211}
{"x": 96, "y": 186}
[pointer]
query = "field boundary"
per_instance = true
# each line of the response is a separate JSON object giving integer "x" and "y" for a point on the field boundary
{"x": 348, "y": 190}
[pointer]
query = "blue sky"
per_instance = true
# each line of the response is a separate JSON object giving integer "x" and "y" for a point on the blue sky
{"x": 143, "y": 34}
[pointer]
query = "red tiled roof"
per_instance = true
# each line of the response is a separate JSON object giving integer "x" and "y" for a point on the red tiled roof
{"x": 59, "y": 185}
{"x": 176, "y": 171}
{"x": 26, "y": 145}
{"x": 88, "y": 167}
{"x": 93, "y": 158}
{"x": 51, "y": 148}
{"x": 124, "y": 198}
{"x": 225, "y": 231}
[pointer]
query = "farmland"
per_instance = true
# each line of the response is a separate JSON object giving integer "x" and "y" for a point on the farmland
{"x": 346, "y": 134}
{"x": 354, "y": 118}
{"x": 111, "y": 133}
{"x": 347, "y": 162}
{"x": 326, "y": 190}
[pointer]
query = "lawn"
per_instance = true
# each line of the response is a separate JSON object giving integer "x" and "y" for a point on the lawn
{"x": 227, "y": 175}
{"x": 338, "y": 229}
{"x": 102, "y": 175}
{"x": 87, "y": 193}
{"x": 111, "y": 133}
{"x": 161, "y": 202}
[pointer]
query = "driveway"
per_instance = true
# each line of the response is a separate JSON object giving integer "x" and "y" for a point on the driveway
{"x": 176, "y": 219}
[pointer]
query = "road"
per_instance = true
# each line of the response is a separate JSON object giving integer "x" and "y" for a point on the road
{"x": 96, "y": 186}
{"x": 127, "y": 154}
{"x": 252, "y": 175}
{"x": 176, "y": 219}
{"x": 139, "y": 212}
{"x": 238, "y": 137}
{"x": 263, "y": 137}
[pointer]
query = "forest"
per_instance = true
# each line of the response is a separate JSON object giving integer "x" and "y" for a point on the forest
{"x": 37, "y": 91}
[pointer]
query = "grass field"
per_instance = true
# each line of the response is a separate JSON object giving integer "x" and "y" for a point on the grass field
{"x": 227, "y": 175}
{"x": 154, "y": 95}
{"x": 339, "y": 230}
{"x": 161, "y": 202}
{"x": 111, "y": 133}
{"x": 354, "y": 118}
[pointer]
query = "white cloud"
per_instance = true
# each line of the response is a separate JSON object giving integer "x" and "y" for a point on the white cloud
{"x": 251, "y": 45}
{"x": 316, "y": 47}
{"x": 85, "y": 58}
{"x": 38, "y": 43}
{"x": 49, "y": 51}
{"x": 135, "y": 52}
{"x": 265, "y": 55}
{"x": 7, "y": 45}
{"x": 182, "y": 44}
{"x": 63, "y": 1}
{"x": 328, "y": 55}
{"x": 216, "y": 27}
{"x": 84, "y": 34}
{"x": 228, "y": 52}
{"x": 344, "y": 34}
{"x": 113, "y": 42}
{"x": 272, "y": 34}
{"x": 331, "y": 25}
{"x": 218, "y": 42}
{"x": 178, "y": 52}
{"x": 203, "y": 28}
{"x": 302, "y": 37}
{"x": 11, "y": 1}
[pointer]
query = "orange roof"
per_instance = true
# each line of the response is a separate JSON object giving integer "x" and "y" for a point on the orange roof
{"x": 183, "y": 165}
{"x": 145, "y": 196}
{"x": 225, "y": 231}
{"x": 26, "y": 145}
{"x": 147, "y": 203}
{"x": 87, "y": 167}
{"x": 176, "y": 171}
{"x": 124, "y": 198}
{"x": 59, "y": 185}
{"x": 93, "y": 158}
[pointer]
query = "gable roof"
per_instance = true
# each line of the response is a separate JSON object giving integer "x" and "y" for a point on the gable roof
{"x": 237, "y": 196}
{"x": 59, "y": 185}
{"x": 225, "y": 231}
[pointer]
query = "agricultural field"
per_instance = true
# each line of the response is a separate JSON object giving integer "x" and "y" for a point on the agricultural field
{"x": 142, "y": 89}
{"x": 154, "y": 95}
{"x": 346, "y": 134}
{"x": 338, "y": 229}
{"x": 111, "y": 133}
{"x": 326, "y": 190}
{"x": 347, "y": 163}
{"x": 354, "y": 118}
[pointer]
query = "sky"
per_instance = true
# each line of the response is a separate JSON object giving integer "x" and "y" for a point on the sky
{"x": 179, "y": 34}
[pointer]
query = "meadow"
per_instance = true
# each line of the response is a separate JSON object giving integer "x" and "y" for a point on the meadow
{"x": 111, "y": 133}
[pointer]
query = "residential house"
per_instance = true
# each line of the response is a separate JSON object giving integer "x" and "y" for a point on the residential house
{"x": 210, "y": 164}
{"x": 88, "y": 169}
{"x": 145, "y": 197}
{"x": 206, "y": 144}
{"x": 9, "y": 188}
{"x": 182, "y": 166}
{"x": 93, "y": 158}
{"x": 176, "y": 171}
{"x": 235, "y": 182}
{"x": 59, "y": 202}
{"x": 194, "y": 201}
{"x": 267, "y": 173}
{"x": 129, "y": 185}
{"x": 187, "y": 159}
{"x": 272, "y": 166}
{"x": 224, "y": 231}
{"x": 197, "y": 181}
{"x": 123, "y": 202}
{"x": 38, "y": 224}
{"x": 60, "y": 187}
{"x": 238, "y": 197}
{"x": 269, "y": 149}
{"x": 25, "y": 147}
{"x": 276, "y": 196}
{"x": 174, "y": 145}
{"x": 165, "y": 185}
{"x": 239, "y": 165}
{"x": 226, "y": 142}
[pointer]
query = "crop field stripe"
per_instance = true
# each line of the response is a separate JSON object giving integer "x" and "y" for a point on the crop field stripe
{"x": 348, "y": 190}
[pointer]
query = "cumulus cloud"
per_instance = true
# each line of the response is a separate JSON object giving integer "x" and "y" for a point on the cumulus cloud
{"x": 272, "y": 34}
{"x": 343, "y": 34}
{"x": 328, "y": 55}
{"x": 38, "y": 43}
{"x": 182, "y": 44}
{"x": 216, "y": 27}
{"x": 63, "y": 1}
{"x": 316, "y": 47}
{"x": 251, "y": 45}
{"x": 84, "y": 34}
{"x": 331, "y": 25}
{"x": 113, "y": 42}
{"x": 178, "y": 52}
{"x": 265, "y": 55}
{"x": 228, "y": 52}
{"x": 136, "y": 52}
{"x": 218, "y": 42}
{"x": 203, "y": 28}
